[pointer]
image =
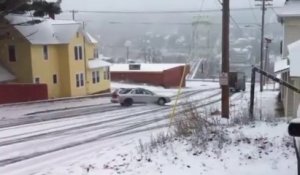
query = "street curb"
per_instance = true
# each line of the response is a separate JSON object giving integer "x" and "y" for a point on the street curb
{"x": 56, "y": 100}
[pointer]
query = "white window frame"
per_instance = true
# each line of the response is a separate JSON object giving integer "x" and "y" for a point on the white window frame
{"x": 106, "y": 73}
{"x": 45, "y": 52}
{"x": 79, "y": 80}
{"x": 78, "y": 52}
{"x": 96, "y": 77}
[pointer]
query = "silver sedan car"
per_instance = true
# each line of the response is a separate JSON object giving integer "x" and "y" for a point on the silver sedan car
{"x": 129, "y": 96}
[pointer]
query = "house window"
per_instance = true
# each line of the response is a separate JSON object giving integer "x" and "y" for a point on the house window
{"x": 106, "y": 74}
{"x": 37, "y": 80}
{"x": 54, "y": 79}
{"x": 79, "y": 80}
{"x": 12, "y": 53}
{"x": 96, "y": 53}
{"x": 96, "y": 77}
{"x": 45, "y": 52}
{"x": 134, "y": 67}
{"x": 78, "y": 52}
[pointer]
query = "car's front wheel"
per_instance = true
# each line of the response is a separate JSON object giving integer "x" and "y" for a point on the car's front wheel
{"x": 161, "y": 102}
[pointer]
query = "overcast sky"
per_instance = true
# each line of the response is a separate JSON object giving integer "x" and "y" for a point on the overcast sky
{"x": 141, "y": 5}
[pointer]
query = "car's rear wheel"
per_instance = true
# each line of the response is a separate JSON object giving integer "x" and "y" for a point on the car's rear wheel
{"x": 161, "y": 101}
{"x": 127, "y": 102}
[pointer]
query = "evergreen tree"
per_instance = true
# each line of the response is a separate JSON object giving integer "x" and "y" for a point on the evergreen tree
{"x": 43, "y": 8}
{"x": 38, "y": 7}
{"x": 10, "y": 6}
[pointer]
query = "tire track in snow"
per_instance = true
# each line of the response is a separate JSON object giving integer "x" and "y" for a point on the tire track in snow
{"x": 120, "y": 117}
{"x": 101, "y": 136}
{"x": 63, "y": 113}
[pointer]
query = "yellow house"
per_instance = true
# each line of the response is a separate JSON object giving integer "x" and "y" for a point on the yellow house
{"x": 58, "y": 53}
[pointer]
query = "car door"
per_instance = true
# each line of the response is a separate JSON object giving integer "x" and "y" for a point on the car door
{"x": 137, "y": 96}
{"x": 149, "y": 96}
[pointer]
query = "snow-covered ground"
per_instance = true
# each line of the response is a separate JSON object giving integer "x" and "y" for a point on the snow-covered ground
{"x": 92, "y": 136}
{"x": 259, "y": 149}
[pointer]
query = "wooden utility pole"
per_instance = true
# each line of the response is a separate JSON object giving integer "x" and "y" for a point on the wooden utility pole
{"x": 262, "y": 43}
{"x": 267, "y": 64}
{"x": 225, "y": 59}
{"x": 263, "y": 5}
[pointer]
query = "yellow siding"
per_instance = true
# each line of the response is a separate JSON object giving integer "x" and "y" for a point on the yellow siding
{"x": 103, "y": 85}
{"x": 89, "y": 50}
{"x": 61, "y": 61}
{"x": 45, "y": 69}
{"x": 22, "y": 67}
{"x": 76, "y": 66}
{"x": 64, "y": 71}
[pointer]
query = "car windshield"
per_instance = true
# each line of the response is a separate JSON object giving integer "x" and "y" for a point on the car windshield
{"x": 148, "y": 92}
{"x": 124, "y": 90}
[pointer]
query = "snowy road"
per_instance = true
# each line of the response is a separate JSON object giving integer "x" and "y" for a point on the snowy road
{"x": 46, "y": 136}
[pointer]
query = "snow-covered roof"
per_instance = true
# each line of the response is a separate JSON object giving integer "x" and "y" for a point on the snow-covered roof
{"x": 294, "y": 57}
{"x": 144, "y": 67}
{"x": 48, "y": 31}
{"x": 97, "y": 63}
{"x": 90, "y": 38}
{"x": 241, "y": 50}
{"x": 291, "y": 9}
{"x": 281, "y": 66}
{"x": 104, "y": 57}
{"x": 5, "y": 75}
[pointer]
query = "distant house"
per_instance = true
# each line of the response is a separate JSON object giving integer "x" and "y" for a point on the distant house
{"x": 288, "y": 68}
{"x": 57, "y": 53}
{"x": 166, "y": 75}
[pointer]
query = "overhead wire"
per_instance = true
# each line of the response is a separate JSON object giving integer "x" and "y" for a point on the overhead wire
{"x": 163, "y": 23}
{"x": 254, "y": 16}
{"x": 232, "y": 19}
{"x": 159, "y": 12}
{"x": 183, "y": 76}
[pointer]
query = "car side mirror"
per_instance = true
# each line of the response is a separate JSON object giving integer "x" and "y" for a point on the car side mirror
{"x": 294, "y": 128}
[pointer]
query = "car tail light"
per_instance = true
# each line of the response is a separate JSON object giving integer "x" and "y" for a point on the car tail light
{"x": 114, "y": 95}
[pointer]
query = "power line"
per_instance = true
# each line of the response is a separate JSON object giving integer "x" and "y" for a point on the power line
{"x": 263, "y": 5}
{"x": 254, "y": 16}
{"x": 232, "y": 19}
{"x": 159, "y": 12}
{"x": 167, "y": 23}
